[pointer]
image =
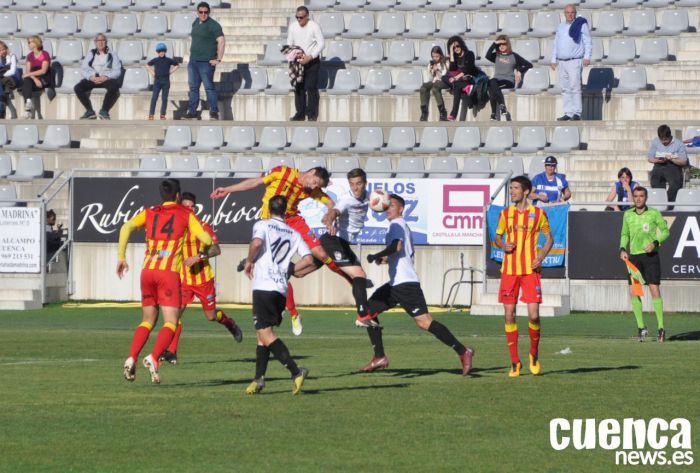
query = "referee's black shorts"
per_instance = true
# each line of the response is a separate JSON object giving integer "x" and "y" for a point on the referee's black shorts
{"x": 649, "y": 264}
{"x": 408, "y": 295}
{"x": 267, "y": 309}
{"x": 339, "y": 250}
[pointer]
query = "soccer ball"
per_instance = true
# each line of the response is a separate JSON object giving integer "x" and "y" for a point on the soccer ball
{"x": 378, "y": 200}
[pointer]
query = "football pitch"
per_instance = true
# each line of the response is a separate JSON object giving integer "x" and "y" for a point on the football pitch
{"x": 64, "y": 405}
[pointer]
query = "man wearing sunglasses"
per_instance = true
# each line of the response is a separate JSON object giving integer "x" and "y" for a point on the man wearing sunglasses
{"x": 206, "y": 52}
{"x": 306, "y": 34}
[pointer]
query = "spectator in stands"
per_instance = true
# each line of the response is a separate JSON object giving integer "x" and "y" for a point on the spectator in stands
{"x": 460, "y": 73}
{"x": 35, "y": 76}
{"x": 54, "y": 236}
{"x": 669, "y": 157}
{"x": 508, "y": 72}
{"x": 9, "y": 75}
{"x": 436, "y": 69}
{"x": 101, "y": 69}
{"x": 206, "y": 52}
{"x": 160, "y": 68}
{"x": 572, "y": 50}
{"x": 622, "y": 190}
{"x": 307, "y": 35}
{"x": 549, "y": 187}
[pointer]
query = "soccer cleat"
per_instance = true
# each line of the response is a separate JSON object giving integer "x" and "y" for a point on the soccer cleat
{"x": 367, "y": 321}
{"x": 152, "y": 366}
{"x": 256, "y": 386}
{"x": 298, "y": 380}
{"x": 130, "y": 369}
{"x": 376, "y": 363}
{"x": 466, "y": 359}
{"x": 515, "y": 370}
{"x": 642, "y": 334}
{"x": 297, "y": 327}
{"x": 241, "y": 265}
{"x": 662, "y": 336}
{"x": 535, "y": 367}
{"x": 236, "y": 332}
{"x": 169, "y": 356}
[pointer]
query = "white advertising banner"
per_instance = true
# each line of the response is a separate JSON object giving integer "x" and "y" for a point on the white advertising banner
{"x": 20, "y": 240}
{"x": 438, "y": 211}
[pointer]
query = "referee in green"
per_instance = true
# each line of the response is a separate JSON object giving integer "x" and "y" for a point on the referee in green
{"x": 644, "y": 229}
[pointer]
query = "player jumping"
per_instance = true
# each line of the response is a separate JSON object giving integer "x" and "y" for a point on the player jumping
{"x": 295, "y": 186}
{"x": 197, "y": 278}
{"x": 165, "y": 225}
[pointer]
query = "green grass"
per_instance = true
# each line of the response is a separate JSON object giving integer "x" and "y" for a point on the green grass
{"x": 64, "y": 405}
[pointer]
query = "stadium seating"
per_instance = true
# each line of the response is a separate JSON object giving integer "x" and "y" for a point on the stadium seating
{"x": 423, "y": 24}
{"x": 124, "y": 24}
{"x": 116, "y": 5}
{"x": 410, "y": 168}
{"x": 273, "y": 55}
{"x": 248, "y": 166}
{"x": 632, "y": 80}
{"x": 531, "y": 140}
{"x": 390, "y": 25}
{"x": 281, "y": 161}
{"x": 33, "y": 24}
{"x": 378, "y": 167}
{"x": 184, "y": 166}
{"x": 621, "y": 51}
{"x": 433, "y": 140}
{"x": 153, "y": 24}
{"x": 5, "y": 165}
{"x": 564, "y": 139}
{"x": 346, "y": 81}
{"x": 253, "y": 81}
{"x": 55, "y": 138}
{"x": 368, "y": 139}
{"x": 360, "y": 26}
{"x": 151, "y": 165}
{"x": 400, "y": 52}
{"x": 369, "y": 52}
{"x": 536, "y": 166}
{"x": 401, "y": 139}
{"x": 217, "y": 166}
{"x": 342, "y": 164}
{"x": 466, "y": 140}
{"x": 331, "y": 24}
{"x": 63, "y": 24}
{"x": 23, "y": 137}
{"x": 308, "y": 162}
{"x": 304, "y": 139}
{"x": 506, "y": 164}
{"x": 498, "y": 139}
{"x": 93, "y": 23}
{"x": 535, "y": 81}
{"x": 688, "y": 196}
{"x": 272, "y": 138}
{"x": 240, "y": 138}
{"x": 673, "y": 23}
{"x": 452, "y": 24}
{"x": 8, "y": 193}
{"x": 408, "y": 82}
{"x": 657, "y": 199}
{"x": 336, "y": 139}
{"x": 3, "y": 136}
{"x": 209, "y": 138}
{"x": 28, "y": 167}
{"x": 440, "y": 166}
{"x": 653, "y": 51}
{"x": 642, "y": 22}
{"x": 483, "y": 25}
{"x": 177, "y": 138}
{"x": 378, "y": 81}
{"x": 280, "y": 84}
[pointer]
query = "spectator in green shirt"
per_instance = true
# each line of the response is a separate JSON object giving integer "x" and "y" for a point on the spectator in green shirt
{"x": 644, "y": 230}
{"x": 206, "y": 52}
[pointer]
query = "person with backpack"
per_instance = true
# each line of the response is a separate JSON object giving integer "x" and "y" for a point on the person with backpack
{"x": 101, "y": 68}
{"x": 9, "y": 75}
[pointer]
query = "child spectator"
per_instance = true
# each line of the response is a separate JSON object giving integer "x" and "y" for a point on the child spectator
{"x": 160, "y": 68}
{"x": 436, "y": 69}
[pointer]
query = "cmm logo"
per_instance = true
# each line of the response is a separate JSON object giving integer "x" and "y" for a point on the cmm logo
{"x": 463, "y": 205}
{"x": 635, "y": 441}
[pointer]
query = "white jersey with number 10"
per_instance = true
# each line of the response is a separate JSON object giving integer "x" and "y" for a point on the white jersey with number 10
{"x": 280, "y": 244}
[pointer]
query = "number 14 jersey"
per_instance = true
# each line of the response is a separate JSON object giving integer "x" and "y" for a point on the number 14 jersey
{"x": 280, "y": 244}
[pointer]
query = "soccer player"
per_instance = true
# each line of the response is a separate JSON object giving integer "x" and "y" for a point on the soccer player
{"x": 197, "y": 278}
{"x": 295, "y": 186}
{"x": 404, "y": 289}
{"x": 165, "y": 225}
{"x": 350, "y": 212}
{"x": 269, "y": 266}
{"x": 521, "y": 223}
{"x": 644, "y": 229}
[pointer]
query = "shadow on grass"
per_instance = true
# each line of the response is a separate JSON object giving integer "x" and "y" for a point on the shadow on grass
{"x": 593, "y": 369}
{"x": 355, "y": 388}
{"x": 238, "y": 360}
{"x": 685, "y": 337}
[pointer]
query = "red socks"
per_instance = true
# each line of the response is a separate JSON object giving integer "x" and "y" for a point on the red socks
{"x": 512, "y": 339}
{"x": 176, "y": 338}
{"x": 334, "y": 267}
{"x": 534, "y": 330}
{"x": 165, "y": 336}
{"x": 140, "y": 338}
{"x": 223, "y": 319}
{"x": 291, "y": 306}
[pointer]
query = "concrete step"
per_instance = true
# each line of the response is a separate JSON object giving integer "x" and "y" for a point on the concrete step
{"x": 20, "y": 305}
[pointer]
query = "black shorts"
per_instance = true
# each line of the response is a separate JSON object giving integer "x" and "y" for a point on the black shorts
{"x": 267, "y": 309}
{"x": 649, "y": 264}
{"x": 408, "y": 295}
{"x": 339, "y": 250}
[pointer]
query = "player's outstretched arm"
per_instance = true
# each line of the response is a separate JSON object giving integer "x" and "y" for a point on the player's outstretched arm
{"x": 329, "y": 220}
{"x": 393, "y": 247}
{"x": 245, "y": 185}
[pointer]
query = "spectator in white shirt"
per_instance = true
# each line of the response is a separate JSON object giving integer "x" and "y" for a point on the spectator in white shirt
{"x": 306, "y": 34}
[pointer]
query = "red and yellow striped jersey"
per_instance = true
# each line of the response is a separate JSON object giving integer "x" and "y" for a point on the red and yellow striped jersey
{"x": 282, "y": 180}
{"x": 166, "y": 225}
{"x": 523, "y": 229}
{"x": 201, "y": 272}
